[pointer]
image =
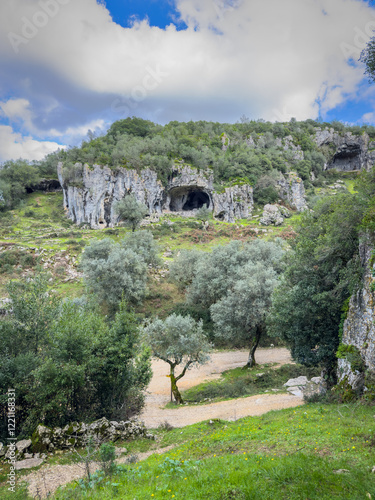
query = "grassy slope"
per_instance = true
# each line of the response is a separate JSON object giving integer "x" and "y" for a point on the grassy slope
{"x": 39, "y": 236}
{"x": 289, "y": 454}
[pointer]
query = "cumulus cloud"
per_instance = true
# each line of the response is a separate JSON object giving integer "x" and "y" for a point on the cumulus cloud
{"x": 270, "y": 59}
{"x": 13, "y": 145}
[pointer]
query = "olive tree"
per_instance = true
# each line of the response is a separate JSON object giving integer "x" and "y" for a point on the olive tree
{"x": 112, "y": 272}
{"x": 131, "y": 211}
{"x": 241, "y": 314}
{"x": 178, "y": 340}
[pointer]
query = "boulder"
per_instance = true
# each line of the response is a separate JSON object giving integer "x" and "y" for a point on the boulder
{"x": 28, "y": 463}
{"x": 273, "y": 215}
{"x": 23, "y": 445}
{"x": 296, "y": 381}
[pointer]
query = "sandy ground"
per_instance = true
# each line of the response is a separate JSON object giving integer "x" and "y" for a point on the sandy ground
{"x": 48, "y": 478}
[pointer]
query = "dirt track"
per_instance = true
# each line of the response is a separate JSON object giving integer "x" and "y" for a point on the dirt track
{"x": 159, "y": 391}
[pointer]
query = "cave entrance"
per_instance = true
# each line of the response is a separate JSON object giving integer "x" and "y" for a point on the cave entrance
{"x": 196, "y": 199}
{"x": 186, "y": 199}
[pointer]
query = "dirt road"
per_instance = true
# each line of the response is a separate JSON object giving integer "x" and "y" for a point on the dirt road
{"x": 159, "y": 391}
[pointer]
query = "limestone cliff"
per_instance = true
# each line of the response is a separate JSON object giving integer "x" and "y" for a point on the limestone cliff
{"x": 359, "y": 328}
{"x": 90, "y": 197}
{"x": 348, "y": 151}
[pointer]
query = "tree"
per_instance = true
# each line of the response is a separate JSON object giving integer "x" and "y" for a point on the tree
{"x": 143, "y": 244}
{"x": 203, "y": 214}
{"x": 131, "y": 211}
{"x": 322, "y": 272}
{"x": 112, "y": 272}
{"x": 368, "y": 58}
{"x": 85, "y": 367}
{"x": 15, "y": 178}
{"x": 178, "y": 340}
{"x": 241, "y": 314}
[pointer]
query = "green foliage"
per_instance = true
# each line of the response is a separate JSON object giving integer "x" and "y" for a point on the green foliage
{"x": 368, "y": 58}
{"x": 323, "y": 271}
{"x": 178, "y": 340}
{"x": 144, "y": 245}
{"x": 67, "y": 363}
{"x": 112, "y": 272}
{"x": 203, "y": 214}
{"x": 107, "y": 456}
{"x": 131, "y": 211}
{"x": 352, "y": 355}
{"x": 15, "y": 178}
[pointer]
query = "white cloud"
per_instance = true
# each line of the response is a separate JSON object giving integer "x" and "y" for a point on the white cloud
{"x": 13, "y": 145}
{"x": 270, "y": 58}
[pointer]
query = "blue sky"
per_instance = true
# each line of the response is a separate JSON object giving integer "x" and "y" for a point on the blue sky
{"x": 73, "y": 65}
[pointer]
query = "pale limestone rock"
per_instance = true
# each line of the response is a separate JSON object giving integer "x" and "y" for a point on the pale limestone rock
{"x": 359, "y": 326}
{"x": 28, "y": 463}
{"x": 296, "y": 381}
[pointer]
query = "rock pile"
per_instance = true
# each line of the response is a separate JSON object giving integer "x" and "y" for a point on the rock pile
{"x": 46, "y": 440}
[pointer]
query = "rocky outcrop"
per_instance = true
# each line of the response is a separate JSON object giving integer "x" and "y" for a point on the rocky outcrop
{"x": 358, "y": 350}
{"x": 348, "y": 151}
{"x": 274, "y": 215}
{"x": 90, "y": 197}
{"x": 235, "y": 202}
{"x": 288, "y": 145}
{"x": 292, "y": 190}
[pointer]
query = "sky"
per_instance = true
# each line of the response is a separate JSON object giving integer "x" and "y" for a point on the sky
{"x": 70, "y": 66}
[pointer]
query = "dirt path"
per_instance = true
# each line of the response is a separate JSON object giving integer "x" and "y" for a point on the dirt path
{"x": 49, "y": 477}
{"x": 159, "y": 391}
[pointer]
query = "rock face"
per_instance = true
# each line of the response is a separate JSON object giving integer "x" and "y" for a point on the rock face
{"x": 349, "y": 151}
{"x": 91, "y": 198}
{"x": 235, "y": 203}
{"x": 292, "y": 190}
{"x": 359, "y": 329}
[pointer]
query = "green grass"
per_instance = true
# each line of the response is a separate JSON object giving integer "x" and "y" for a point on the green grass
{"x": 247, "y": 382}
{"x": 288, "y": 454}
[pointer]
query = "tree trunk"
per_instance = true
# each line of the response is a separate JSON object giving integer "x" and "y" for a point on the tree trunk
{"x": 175, "y": 391}
{"x": 253, "y": 345}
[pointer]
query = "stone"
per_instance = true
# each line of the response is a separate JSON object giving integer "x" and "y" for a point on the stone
{"x": 295, "y": 391}
{"x": 341, "y": 471}
{"x": 317, "y": 380}
{"x": 292, "y": 190}
{"x": 28, "y": 463}
{"x": 296, "y": 381}
{"x": 2, "y": 450}
{"x": 23, "y": 445}
{"x": 272, "y": 215}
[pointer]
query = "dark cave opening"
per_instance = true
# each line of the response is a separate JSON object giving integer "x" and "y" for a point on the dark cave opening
{"x": 185, "y": 198}
{"x": 196, "y": 199}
